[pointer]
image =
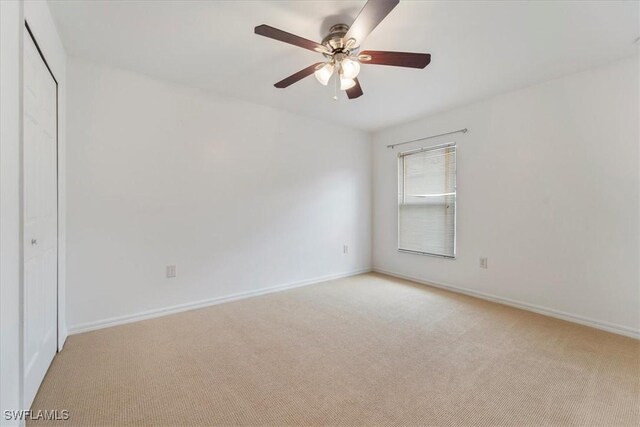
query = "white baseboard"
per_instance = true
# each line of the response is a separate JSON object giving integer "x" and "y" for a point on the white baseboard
{"x": 605, "y": 326}
{"x": 150, "y": 314}
{"x": 63, "y": 333}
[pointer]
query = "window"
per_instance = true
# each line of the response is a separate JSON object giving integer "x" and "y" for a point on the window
{"x": 427, "y": 201}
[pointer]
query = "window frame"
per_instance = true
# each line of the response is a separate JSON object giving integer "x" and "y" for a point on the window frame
{"x": 400, "y": 171}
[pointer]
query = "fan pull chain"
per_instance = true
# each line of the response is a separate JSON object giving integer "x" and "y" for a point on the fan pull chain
{"x": 335, "y": 87}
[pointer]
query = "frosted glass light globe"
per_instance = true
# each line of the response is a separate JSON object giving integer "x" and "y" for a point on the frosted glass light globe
{"x": 350, "y": 68}
{"x": 346, "y": 83}
{"x": 323, "y": 74}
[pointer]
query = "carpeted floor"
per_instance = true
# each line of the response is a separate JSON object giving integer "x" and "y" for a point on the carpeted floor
{"x": 366, "y": 350}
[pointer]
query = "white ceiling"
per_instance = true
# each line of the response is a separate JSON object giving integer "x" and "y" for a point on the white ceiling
{"x": 479, "y": 48}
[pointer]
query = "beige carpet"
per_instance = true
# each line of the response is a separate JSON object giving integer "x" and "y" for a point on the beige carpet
{"x": 367, "y": 350}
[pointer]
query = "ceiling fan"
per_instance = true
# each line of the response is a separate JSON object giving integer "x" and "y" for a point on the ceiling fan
{"x": 341, "y": 48}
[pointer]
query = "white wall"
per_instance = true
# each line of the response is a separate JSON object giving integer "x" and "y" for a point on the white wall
{"x": 11, "y": 25}
{"x": 548, "y": 190}
{"x": 239, "y": 196}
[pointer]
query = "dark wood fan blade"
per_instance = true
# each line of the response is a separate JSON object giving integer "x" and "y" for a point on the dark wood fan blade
{"x": 369, "y": 17}
{"x": 355, "y": 92}
{"x": 397, "y": 59}
{"x": 297, "y": 76}
{"x": 283, "y": 36}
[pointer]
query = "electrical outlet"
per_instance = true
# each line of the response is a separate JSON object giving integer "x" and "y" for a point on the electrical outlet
{"x": 171, "y": 271}
{"x": 345, "y": 249}
{"x": 483, "y": 262}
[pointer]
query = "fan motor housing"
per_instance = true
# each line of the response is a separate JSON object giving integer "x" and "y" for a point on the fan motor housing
{"x": 335, "y": 40}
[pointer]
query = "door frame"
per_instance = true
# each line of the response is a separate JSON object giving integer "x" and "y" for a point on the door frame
{"x": 57, "y": 302}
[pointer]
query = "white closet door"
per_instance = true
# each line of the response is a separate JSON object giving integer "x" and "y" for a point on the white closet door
{"x": 40, "y": 219}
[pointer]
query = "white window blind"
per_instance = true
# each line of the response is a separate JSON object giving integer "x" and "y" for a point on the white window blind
{"x": 427, "y": 201}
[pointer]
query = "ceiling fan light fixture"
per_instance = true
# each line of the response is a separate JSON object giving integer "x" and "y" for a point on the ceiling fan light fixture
{"x": 350, "y": 68}
{"x": 324, "y": 73}
{"x": 340, "y": 47}
{"x": 346, "y": 83}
